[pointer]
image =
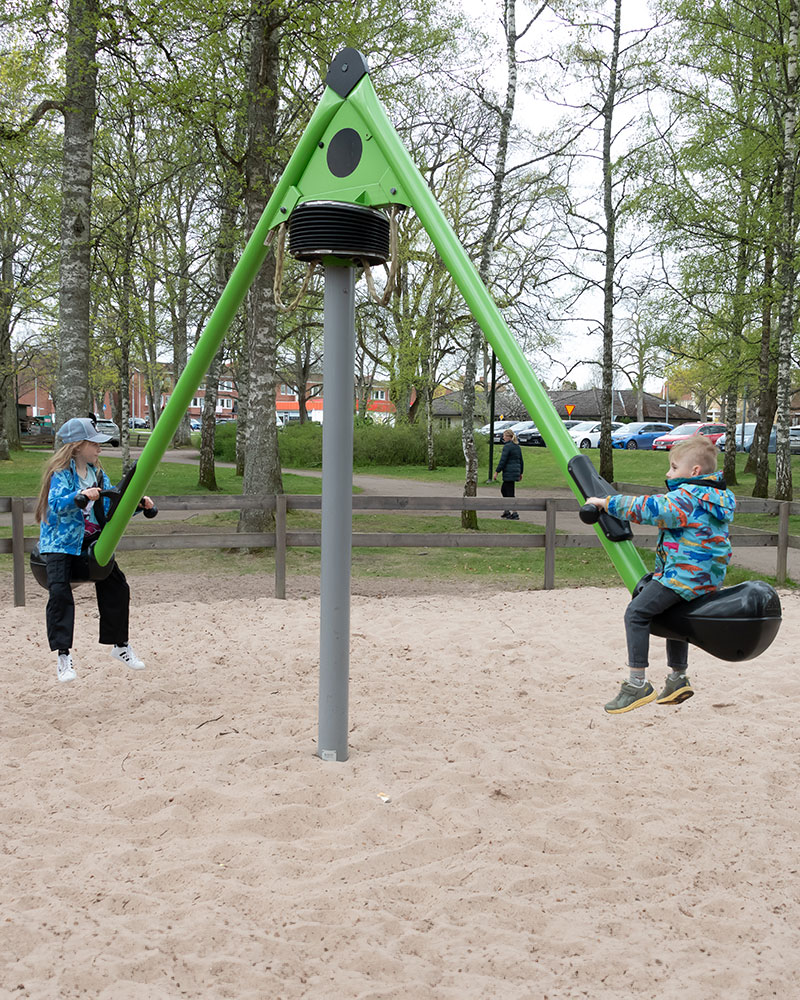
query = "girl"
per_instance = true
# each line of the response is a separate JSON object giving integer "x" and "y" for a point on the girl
{"x": 64, "y": 530}
{"x": 511, "y": 465}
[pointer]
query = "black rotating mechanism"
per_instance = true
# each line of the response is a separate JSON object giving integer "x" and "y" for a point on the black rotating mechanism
{"x": 319, "y": 229}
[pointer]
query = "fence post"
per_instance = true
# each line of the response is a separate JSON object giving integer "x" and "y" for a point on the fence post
{"x": 783, "y": 542}
{"x": 280, "y": 546}
{"x": 18, "y": 550}
{"x": 550, "y": 544}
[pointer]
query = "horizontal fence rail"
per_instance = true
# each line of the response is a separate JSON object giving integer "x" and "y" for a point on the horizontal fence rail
{"x": 281, "y": 538}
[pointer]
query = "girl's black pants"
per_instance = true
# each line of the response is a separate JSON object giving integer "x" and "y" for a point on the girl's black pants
{"x": 113, "y": 602}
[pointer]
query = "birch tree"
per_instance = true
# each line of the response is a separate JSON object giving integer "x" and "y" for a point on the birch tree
{"x": 79, "y": 106}
{"x": 787, "y": 265}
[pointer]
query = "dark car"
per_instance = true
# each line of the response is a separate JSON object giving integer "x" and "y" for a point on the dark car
{"x": 499, "y": 425}
{"x": 517, "y": 426}
{"x": 110, "y": 428}
{"x": 534, "y": 435}
{"x": 744, "y": 439}
{"x": 530, "y": 436}
{"x": 138, "y": 423}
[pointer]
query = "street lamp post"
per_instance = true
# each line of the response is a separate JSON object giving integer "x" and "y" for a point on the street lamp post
{"x": 665, "y": 406}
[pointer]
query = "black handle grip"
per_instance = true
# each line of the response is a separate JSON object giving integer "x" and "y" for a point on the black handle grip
{"x": 589, "y": 513}
{"x": 81, "y": 500}
{"x": 151, "y": 511}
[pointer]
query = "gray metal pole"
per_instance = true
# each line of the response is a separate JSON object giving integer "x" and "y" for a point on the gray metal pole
{"x": 337, "y": 512}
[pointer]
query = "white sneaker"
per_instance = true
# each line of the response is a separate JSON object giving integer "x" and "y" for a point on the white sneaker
{"x": 66, "y": 671}
{"x": 126, "y": 655}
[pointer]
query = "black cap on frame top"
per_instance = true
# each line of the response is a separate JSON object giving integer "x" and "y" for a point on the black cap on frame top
{"x": 347, "y": 68}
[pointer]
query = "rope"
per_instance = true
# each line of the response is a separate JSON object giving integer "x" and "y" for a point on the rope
{"x": 391, "y": 273}
{"x": 276, "y": 285}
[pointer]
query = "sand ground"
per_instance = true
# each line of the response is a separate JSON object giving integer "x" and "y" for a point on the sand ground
{"x": 494, "y": 834}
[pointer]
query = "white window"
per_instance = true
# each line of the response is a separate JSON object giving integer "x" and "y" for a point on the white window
{"x": 379, "y": 394}
{"x": 226, "y": 386}
{"x": 197, "y": 402}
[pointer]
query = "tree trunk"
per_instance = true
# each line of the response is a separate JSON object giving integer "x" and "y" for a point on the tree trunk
{"x": 8, "y": 397}
{"x": 787, "y": 265}
{"x": 609, "y": 212}
{"x": 469, "y": 518}
{"x": 262, "y": 471}
{"x": 242, "y": 414}
{"x": 767, "y": 397}
{"x": 207, "y": 475}
{"x": 72, "y": 396}
{"x": 149, "y": 348}
{"x": 180, "y": 326}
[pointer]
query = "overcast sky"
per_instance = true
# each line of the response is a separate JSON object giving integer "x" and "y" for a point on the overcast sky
{"x": 534, "y": 113}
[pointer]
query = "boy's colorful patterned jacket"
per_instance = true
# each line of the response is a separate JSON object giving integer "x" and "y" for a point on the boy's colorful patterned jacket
{"x": 64, "y": 527}
{"x": 693, "y": 549}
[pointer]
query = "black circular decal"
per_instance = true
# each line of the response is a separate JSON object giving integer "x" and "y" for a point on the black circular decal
{"x": 344, "y": 152}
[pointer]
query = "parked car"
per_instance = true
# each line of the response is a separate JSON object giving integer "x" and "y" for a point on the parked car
{"x": 137, "y": 422}
{"x": 586, "y": 434}
{"x": 640, "y": 434}
{"x": 516, "y": 427}
{"x": 794, "y": 440}
{"x": 110, "y": 428}
{"x": 498, "y": 425}
{"x": 534, "y": 436}
{"x": 709, "y": 430}
{"x": 194, "y": 423}
{"x": 744, "y": 439}
{"x": 530, "y": 436}
{"x": 37, "y": 430}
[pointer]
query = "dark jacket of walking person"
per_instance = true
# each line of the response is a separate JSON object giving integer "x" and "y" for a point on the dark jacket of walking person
{"x": 511, "y": 465}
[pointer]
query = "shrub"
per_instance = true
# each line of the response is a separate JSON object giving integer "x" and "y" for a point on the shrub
{"x": 224, "y": 442}
{"x": 300, "y": 445}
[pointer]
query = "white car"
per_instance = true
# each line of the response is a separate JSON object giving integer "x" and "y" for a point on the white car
{"x": 587, "y": 433}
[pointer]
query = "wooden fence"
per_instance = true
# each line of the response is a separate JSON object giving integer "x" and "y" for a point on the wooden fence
{"x": 281, "y": 538}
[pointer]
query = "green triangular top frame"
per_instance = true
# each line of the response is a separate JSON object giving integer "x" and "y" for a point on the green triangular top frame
{"x": 382, "y": 174}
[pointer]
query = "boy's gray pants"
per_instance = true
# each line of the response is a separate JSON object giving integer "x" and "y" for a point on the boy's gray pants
{"x": 649, "y": 602}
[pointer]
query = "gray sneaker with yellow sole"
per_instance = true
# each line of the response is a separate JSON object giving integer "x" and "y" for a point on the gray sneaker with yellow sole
{"x": 630, "y": 696}
{"x": 676, "y": 690}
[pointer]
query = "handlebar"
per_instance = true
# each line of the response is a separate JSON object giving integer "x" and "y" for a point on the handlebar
{"x": 115, "y": 495}
{"x": 589, "y": 513}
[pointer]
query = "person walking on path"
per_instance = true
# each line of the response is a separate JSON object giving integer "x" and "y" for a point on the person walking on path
{"x": 65, "y": 531}
{"x": 511, "y": 465}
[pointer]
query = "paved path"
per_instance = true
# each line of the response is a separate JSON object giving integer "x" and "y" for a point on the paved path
{"x": 762, "y": 560}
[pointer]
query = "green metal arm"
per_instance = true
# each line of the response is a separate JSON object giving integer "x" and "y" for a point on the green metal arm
{"x": 624, "y": 555}
{"x": 385, "y": 175}
{"x": 218, "y": 324}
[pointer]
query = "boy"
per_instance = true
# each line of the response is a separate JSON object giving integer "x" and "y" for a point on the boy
{"x": 692, "y": 555}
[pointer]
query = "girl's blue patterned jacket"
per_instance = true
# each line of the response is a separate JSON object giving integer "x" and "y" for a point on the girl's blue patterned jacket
{"x": 64, "y": 527}
{"x": 693, "y": 548}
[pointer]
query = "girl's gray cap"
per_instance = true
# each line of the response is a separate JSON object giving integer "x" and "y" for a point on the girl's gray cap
{"x": 81, "y": 429}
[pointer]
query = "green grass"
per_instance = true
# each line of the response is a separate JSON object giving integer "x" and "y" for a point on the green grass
{"x": 22, "y": 476}
{"x": 515, "y": 568}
